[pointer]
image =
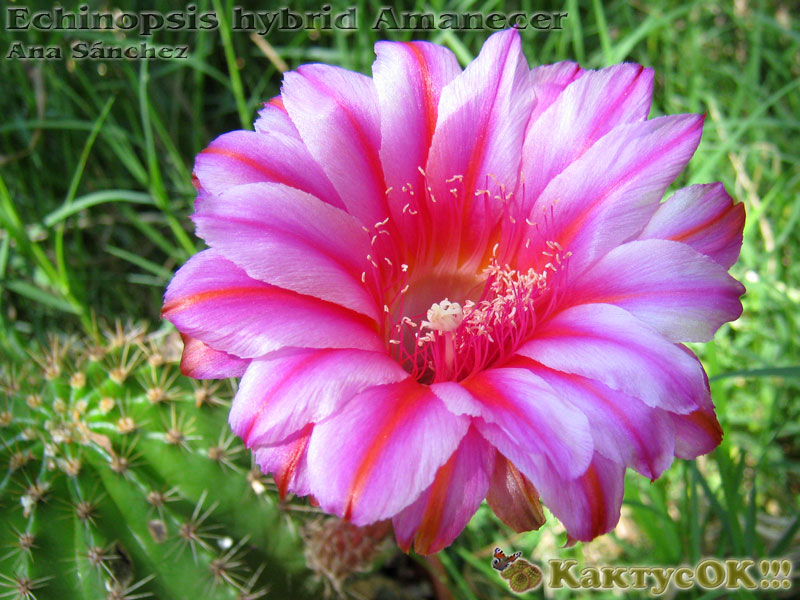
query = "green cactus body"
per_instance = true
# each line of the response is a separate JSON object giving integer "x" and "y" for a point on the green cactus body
{"x": 121, "y": 480}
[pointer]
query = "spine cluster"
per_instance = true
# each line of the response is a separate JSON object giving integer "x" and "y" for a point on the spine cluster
{"x": 120, "y": 480}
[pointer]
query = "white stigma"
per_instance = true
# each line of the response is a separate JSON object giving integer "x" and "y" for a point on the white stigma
{"x": 444, "y": 316}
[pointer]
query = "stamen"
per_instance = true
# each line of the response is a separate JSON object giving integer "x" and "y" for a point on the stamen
{"x": 453, "y": 340}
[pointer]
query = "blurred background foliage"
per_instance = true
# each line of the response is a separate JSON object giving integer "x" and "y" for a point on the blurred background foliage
{"x": 95, "y": 191}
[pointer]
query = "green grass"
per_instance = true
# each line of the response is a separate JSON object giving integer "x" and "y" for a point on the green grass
{"x": 95, "y": 193}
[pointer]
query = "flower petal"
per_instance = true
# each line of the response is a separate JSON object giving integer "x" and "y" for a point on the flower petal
{"x": 336, "y": 113}
{"x": 589, "y": 505}
{"x": 676, "y": 290}
{"x": 381, "y": 451}
{"x": 215, "y": 301}
{"x": 513, "y": 498}
{"x": 201, "y": 361}
{"x": 273, "y": 118}
{"x": 697, "y": 433}
{"x": 528, "y": 411}
{"x": 608, "y": 195}
{"x": 287, "y": 238}
{"x": 704, "y": 217}
{"x": 409, "y": 77}
{"x": 548, "y": 82}
{"x": 242, "y": 157}
{"x": 623, "y": 428}
{"x": 287, "y": 462}
{"x": 436, "y": 518}
{"x": 479, "y": 132}
{"x": 604, "y": 342}
{"x": 583, "y": 113}
{"x": 283, "y": 391}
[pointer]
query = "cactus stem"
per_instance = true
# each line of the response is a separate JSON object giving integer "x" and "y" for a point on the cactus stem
{"x": 122, "y": 591}
{"x": 99, "y": 556}
{"x": 122, "y": 462}
{"x": 246, "y": 591}
{"x": 22, "y": 586}
{"x": 124, "y": 364}
{"x": 222, "y": 567}
{"x": 158, "y": 385}
{"x": 223, "y": 453}
{"x": 157, "y": 499}
{"x": 257, "y": 481}
{"x": 34, "y": 494}
{"x": 23, "y": 544}
{"x": 192, "y": 532}
{"x": 123, "y": 335}
{"x": 179, "y": 430}
{"x": 205, "y": 394}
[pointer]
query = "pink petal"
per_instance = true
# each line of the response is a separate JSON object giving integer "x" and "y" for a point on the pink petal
{"x": 215, "y": 301}
{"x": 436, "y": 518}
{"x": 287, "y": 238}
{"x": 479, "y": 132}
{"x": 583, "y": 113}
{"x": 283, "y": 391}
{"x": 623, "y": 428}
{"x": 201, "y": 361}
{"x": 697, "y": 433}
{"x": 336, "y": 113}
{"x": 409, "y": 77}
{"x": 242, "y": 157}
{"x": 381, "y": 451}
{"x": 548, "y": 82}
{"x": 589, "y": 505}
{"x": 604, "y": 342}
{"x": 513, "y": 498}
{"x": 676, "y": 290}
{"x": 273, "y": 118}
{"x": 703, "y": 216}
{"x": 288, "y": 462}
{"x": 528, "y": 412}
{"x": 608, "y": 195}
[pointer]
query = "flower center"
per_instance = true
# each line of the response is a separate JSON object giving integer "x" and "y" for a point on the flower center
{"x": 458, "y": 340}
{"x": 440, "y": 268}
{"x": 444, "y": 316}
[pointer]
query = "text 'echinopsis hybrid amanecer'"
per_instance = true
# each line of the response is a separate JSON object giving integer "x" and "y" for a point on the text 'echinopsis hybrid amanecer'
{"x": 441, "y": 286}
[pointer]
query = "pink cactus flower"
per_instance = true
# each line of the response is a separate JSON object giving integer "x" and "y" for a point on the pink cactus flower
{"x": 444, "y": 286}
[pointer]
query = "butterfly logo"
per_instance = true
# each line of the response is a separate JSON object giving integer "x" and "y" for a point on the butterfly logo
{"x": 521, "y": 575}
{"x": 501, "y": 561}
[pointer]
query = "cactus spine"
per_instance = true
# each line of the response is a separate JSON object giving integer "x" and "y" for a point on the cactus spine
{"x": 120, "y": 480}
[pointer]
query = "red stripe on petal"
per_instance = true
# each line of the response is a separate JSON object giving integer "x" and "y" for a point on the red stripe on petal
{"x": 379, "y": 443}
{"x": 277, "y": 102}
{"x": 708, "y": 422}
{"x": 595, "y": 499}
{"x": 285, "y": 475}
{"x": 437, "y": 501}
{"x": 263, "y": 291}
{"x": 736, "y": 225}
{"x": 237, "y": 156}
{"x": 431, "y": 108}
{"x": 181, "y": 304}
